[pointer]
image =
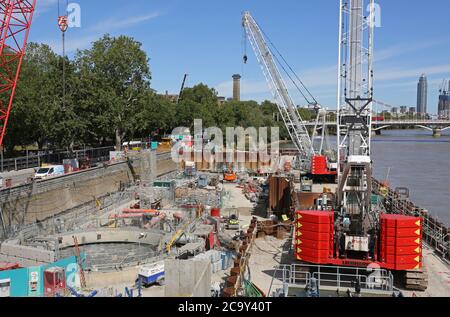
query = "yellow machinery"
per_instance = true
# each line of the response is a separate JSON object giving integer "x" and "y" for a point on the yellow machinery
{"x": 176, "y": 236}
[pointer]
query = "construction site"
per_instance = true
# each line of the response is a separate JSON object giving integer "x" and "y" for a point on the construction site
{"x": 311, "y": 222}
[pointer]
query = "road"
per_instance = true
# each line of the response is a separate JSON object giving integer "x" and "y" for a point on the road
{"x": 21, "y": 177}
{"x": 17, "y": 177}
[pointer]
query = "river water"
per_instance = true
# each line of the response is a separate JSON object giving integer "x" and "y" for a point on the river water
{"x": 419, "y": 162}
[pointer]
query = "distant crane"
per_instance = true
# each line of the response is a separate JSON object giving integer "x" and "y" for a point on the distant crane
{"x": 63, "y": 23}
{"x": 289, "y": 112}
{"x": 444, "y": 100}
{"x": 445, "y": 87}
{"x": 16, "y": 17}
{"x": 180, "y": 95}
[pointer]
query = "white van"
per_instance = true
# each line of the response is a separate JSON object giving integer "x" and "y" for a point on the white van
{"x": 49, "y": 171}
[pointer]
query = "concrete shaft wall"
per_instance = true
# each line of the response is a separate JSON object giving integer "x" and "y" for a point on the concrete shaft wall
{"x": 25, "y": 256}
{"x": 109, "y": 236}
{"x": 187, "y": 278}
{"x": 27, "y": 204}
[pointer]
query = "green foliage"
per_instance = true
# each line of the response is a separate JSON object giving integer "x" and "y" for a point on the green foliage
{"x": 109, "y": 100}
{"x": 37, "y": 98}
{"x": 119, "y": 68}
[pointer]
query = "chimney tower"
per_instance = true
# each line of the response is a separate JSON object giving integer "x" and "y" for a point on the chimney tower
{"x": 237, "y": 87}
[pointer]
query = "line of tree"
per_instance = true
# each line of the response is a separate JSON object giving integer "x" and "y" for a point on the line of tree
{"x": 109, "y": 100}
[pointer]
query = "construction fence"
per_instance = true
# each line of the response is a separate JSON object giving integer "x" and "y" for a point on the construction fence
{"x": 95, "y": 155}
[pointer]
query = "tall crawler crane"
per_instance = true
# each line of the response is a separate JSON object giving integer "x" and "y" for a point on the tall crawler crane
{"x": 354, "y": 101}
{"x": 15, "y": 22}
{"x": 292, "y": 119}
{"x": 353, "y": 231}
{"x": 288, "y": 110}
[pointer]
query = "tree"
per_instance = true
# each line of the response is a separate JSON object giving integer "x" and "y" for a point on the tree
{"x": 199, "y": 102}
{"x": 158, "y": 116}
{"x": 37, "y": 98}
{"x": 119, "y": 70}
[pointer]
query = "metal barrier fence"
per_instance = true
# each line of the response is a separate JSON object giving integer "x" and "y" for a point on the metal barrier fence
{"x": 435, "y": 234}
{"x": 340, "y": 278}
{"x": 95, "y": 155}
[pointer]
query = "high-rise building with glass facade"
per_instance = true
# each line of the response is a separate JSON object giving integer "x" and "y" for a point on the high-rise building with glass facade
{"x": 422, "y": 95}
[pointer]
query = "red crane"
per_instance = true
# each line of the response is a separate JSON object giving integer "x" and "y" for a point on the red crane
{"x": 15, "y": 22}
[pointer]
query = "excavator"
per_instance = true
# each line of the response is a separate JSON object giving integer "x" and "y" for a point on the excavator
{"x": 230, "y": 175}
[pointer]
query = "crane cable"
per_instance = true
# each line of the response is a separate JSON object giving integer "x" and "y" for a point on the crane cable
{"x": 58, "y": 5}
{"x": 292, "y": 71}
{"x": 244, "y": 50}
{"x": 63, "y": 27}
{"x": 279, "y": 63}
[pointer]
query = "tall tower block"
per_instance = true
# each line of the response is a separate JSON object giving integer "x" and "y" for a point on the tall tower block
{"x": 422, "y": 95}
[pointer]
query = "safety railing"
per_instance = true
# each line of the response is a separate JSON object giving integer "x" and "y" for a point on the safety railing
{"x": 30, "y": 161}
{"x": 300, "y": 275}
{"x": 435, "y": 234}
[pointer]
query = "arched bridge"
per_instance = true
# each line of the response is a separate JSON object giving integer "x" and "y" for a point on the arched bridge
{"x": 436, "y": 126}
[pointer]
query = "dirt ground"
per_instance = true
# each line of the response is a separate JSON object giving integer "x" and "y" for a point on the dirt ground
{"x": 438, "y": 276}
{"x": 269, "y": 252}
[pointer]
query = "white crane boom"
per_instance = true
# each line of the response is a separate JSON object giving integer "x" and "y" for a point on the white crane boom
{"x": 355, "y": 99}
{"x": 289, "y": 112}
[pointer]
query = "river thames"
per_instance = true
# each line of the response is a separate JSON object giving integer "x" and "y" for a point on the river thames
{"x": 419, "y": 162}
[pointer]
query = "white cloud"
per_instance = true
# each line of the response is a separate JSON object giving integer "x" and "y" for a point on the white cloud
{"x": 72, "y": 44}
{"x": 405, "y": 48}
{"x": 403, "y": 73}
{"x": 91, "y": 34}
{"x": 43, "y": 6}
{"x": 407, "y": 84}
{"x": 322, "y": 83}
{"x": 119, "y": 23}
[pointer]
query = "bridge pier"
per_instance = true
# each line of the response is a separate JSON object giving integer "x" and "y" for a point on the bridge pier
{"x": 437, "y": 132}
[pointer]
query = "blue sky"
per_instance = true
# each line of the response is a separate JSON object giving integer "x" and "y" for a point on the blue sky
{"x": 204, "y": 39}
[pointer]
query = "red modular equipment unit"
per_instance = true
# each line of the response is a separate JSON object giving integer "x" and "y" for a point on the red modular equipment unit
{"x": 215, "y": 212}
{"x": 401, "y": 242}
{"x": 6, "y": 266}
{"x": 314, "y": 232}
{"x": 54, "y": 282}
{"x": 319, "y": 166}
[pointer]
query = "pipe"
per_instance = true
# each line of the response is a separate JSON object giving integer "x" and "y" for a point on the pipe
{"x": 139, "y": 211}
{"x": 126, "y": 216}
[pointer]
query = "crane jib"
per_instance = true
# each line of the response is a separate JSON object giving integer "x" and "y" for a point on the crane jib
{"x": 289, "y": 112}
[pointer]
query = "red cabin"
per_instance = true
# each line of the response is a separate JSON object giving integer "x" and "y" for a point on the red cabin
{"x": 54, "y": 282}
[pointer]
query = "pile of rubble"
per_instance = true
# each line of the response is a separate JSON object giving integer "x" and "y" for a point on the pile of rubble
{"x": 255, "y": 189}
